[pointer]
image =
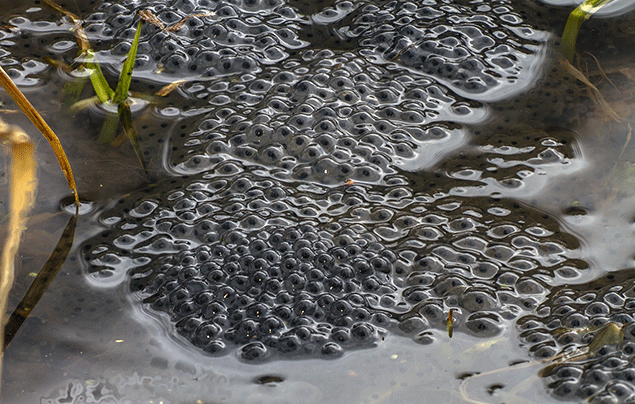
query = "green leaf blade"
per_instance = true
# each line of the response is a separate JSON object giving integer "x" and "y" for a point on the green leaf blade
{"x": 103, "y": 90}
{"x": 125, "y": 115}
{"x": 126, "y": 72}
{"x": 582, "y": 13}
{"x": 109, "y": 129}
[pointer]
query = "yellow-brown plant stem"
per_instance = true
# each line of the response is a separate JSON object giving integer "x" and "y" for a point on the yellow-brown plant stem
{"x": 22, "y": 188}
{"x": 28, "y": 109}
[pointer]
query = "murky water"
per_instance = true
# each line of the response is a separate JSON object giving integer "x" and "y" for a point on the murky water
{"x": 329, "y": 181}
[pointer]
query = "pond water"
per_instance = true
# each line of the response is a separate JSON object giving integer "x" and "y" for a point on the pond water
{"x": 327, "y": 183}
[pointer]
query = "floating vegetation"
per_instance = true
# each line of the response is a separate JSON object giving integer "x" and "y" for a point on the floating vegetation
{"x": 608, "y": 334}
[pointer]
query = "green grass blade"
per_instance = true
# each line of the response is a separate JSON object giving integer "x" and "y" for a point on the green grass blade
{"x": 103, "y": 90}
{"x": 574, "y": 22}
{"x": 72, "y": 91}
{"x": 109, "y": 129}
{"x": 126, "y": 72}
{"x": 126, "y": 120}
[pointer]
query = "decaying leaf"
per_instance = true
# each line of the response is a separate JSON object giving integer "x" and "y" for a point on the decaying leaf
{"x": 611, "y": 334}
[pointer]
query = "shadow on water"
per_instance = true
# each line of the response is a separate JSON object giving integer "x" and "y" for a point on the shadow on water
{"x": 377, "y": 137}
{"x": 41, "y": 282}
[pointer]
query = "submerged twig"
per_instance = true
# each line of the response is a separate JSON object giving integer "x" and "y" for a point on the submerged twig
{"x": 629, "y": 135}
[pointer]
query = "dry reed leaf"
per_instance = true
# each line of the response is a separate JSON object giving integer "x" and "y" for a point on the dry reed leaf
{"x": 149, "y": 17}
{"x": 28, "y": 109}
{"x": 169, "y": 88}
{"x": 82, "y": 39}
{"x": 177, "y": 26}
